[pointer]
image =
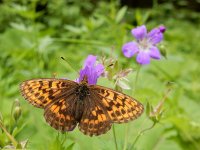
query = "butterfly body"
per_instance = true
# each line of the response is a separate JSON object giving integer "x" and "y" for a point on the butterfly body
{"x": 67, "y": 104}
{"x": 82, "y": 91}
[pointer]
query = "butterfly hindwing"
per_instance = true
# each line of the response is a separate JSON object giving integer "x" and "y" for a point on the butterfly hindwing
{"x": 94, "y": 119}
{"x": 120, "y": 107}
{"x": 40, "y": 92}
{"x": 60, "y": 114}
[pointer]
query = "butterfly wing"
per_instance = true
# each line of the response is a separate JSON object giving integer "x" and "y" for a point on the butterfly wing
{"x": 94, "y": 120}
{"x": 120, "y": 107}
{"x": 61, "y": 113}
{"x": 57, "y": 97}
{"x": 40, "y": 92}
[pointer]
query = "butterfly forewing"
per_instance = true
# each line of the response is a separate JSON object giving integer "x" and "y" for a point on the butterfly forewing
{"x": 120, "y": 107}
{"x": 41, "y": 92}
{"x": 57, "y": 97}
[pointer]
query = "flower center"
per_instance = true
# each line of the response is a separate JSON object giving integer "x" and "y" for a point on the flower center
{"x": 144, "y": 44}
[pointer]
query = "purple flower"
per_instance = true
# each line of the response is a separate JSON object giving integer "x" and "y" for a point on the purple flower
{"x": 90, "y": 70}
{"x": 145, "y": 45}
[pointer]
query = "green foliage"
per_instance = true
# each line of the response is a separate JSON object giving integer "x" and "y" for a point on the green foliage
{"x": 35, "y": 34}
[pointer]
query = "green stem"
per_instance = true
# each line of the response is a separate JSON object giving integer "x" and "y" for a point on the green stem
{"x": 15, "y": 143}
{"x": 167, "y": 74}
{"x": 127, "y": 127}
{"x": 141, "y": 133}
{"x": 78, "y": 41}
{"x": 126, "y": 137}
{"x": 137, "y": 76}
{"x": 115, "y": 139}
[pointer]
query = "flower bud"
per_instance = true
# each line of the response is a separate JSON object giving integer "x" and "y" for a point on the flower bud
{"x": 17, "y": 113}
{"x": 163, "y": 50}
{"x": 162, "y": 28}
{"x": 154, "y": 114}
{"x": 16, "y": 110}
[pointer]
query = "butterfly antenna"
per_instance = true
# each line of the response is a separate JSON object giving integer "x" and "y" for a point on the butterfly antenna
{"x": 70, "y": 65}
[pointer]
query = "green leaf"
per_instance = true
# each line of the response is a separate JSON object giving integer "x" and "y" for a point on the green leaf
{"x": 1, "y": 118}
{"x": 148, "y": 108}
{"x": 123, "y": 84}
{"x": 18, "y": 146}
{"x": 121, "y": 13}
{"x": 70, "y": 147}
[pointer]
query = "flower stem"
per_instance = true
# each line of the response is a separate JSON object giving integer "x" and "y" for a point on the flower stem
{"x": 127, "y": 127}
{"x": 137, "y": 76}
{"x": 115, "y": 138}
{"x": 141, "y": 133}
{"x": 126, "y": 137}
{"x": 12, "y": 139}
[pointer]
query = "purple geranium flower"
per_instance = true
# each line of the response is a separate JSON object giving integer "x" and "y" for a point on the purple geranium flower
{"x": 145, "y": 45}
{"x": 90, "y": 70}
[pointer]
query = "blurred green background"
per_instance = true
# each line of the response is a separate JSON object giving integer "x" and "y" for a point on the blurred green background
{"x": 34, "y": 34}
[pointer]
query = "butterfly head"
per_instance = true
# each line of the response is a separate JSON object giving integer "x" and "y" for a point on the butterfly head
{"x": 85, "y": 80}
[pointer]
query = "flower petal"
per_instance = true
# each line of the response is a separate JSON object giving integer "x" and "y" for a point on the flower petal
{"x": 129, "y": 49}
{"x": 155, "y": 36}
{"x": 90, "y": 60}
{"x": 92, "y": 71}
{"x": 139, "y": 32}
{"x": 143, "y": 58}
{"x": 83, "y": 72}
{"x": 92, "y": 77}
{"x": 99, "y": 69}
{"x": 154, "y": 52}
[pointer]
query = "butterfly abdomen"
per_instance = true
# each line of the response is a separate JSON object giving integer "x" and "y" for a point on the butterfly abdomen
{"x": 82, "y": 91}
{"x": 79, "y": 108}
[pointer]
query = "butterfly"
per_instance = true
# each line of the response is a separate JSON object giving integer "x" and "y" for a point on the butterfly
{"x": 67, "y": 104}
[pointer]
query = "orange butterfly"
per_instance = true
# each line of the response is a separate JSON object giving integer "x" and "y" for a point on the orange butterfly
{"x": 67, "y": 103}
